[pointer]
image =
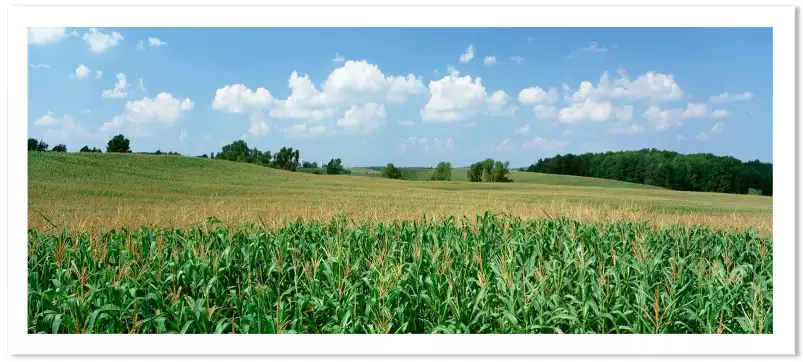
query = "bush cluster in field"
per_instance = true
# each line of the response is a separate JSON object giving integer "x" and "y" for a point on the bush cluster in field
{"x": 489, "y": 275}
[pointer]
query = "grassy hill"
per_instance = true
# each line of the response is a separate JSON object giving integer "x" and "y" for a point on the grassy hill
{"x": 101, "y": 191}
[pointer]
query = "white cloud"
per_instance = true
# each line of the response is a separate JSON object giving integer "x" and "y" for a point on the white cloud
{"x": 517, "y": 59}
{"x": 237, "y": 98}
{"x": 82, "y": 71}
{"x": 162, "y": 109}
{"x": 546, "y": 112}
{"x": 631, "y": 129}
{"x": 183, "y": 136}
{"x": 407, "y": 123}
{"x": 728, "y": 98}
{"x": 98, "y": 74}
{"x": 426, "y": 145}
{"x": 44, "y": 36}
{"x": 455, "y": 98}
{"x": 140, "y": 45}
{"x": 505, "y": 145}
{"x": 442, "y": 147}
{"x": 498, "y": 104}
{"x": 48, "y": 120}
{"x": 259, "y": 124}
{"x": 587, "y": 110}
{"x": 155, "y": 42}
{"x": 468, "y": 55}
{"x": 338, "y": 58}
{"x": 537, "y": 95}
{"x": 702, "y": 136}
{"x": 99, "y": 42}
{"x": 119, "y": 88}
{"x": 651, "y": 86}
{"x": 36, "y": 66}
{"x": 303, "y": 130}
{"x": 695, "y": 110}
{"x": 593, "y": 47}
{"x": 523, "y": 129}
{"x": 490, "y": 60}
{"x": 539, "y": 142}
{"x": 663, "y": 119}
{"x": 358, "y": 81}
{"x": 367, "y": 117}
{"x": 718, "y": 127}
{"x": 61, "y": 128}
{"x": 624, "y": 113}
{"x": 719, "y": 113}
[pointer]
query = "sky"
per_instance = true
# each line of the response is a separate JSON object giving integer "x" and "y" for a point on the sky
{"x": 411, "y": 96}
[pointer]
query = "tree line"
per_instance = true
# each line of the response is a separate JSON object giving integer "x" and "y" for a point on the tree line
{"x": 671, "y": 170}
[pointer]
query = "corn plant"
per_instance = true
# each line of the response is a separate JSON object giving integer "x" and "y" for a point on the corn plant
{"x": 490, "y": 274}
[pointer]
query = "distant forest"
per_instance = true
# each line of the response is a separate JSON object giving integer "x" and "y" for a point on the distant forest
{"x": 694, "y": 172}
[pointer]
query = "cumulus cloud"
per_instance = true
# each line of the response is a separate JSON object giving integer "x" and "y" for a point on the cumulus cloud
{"x": 82, "y": 71}
{"x": 537, "y": 95}
{"x": 455, "y": 98}
{"x": 119, "y": 88}
{"x": 155, "y": 42}
{"x": 651, "y": 86}
{"x": 163, "y": 109}
{"x": 44, "y": 36}
{"x": 728, "y": 98}
{"x": 587, "y": 110}
{"x": 237, "y": 98}
{"x": 468, "y": 55}
{"x": 663, "y": 119}
{"x": 367, "y": 117}
{"x": 61, "y": 128}
{"x": 490, "y": 60}
{"x": 539, "y": 142}
{"x": 99, "y": 41}
{"x": 425, "y": 145}
{"x": 545, "y": 112}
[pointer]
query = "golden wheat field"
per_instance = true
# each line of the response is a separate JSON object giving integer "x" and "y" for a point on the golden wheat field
{"x": 98, "y": 192}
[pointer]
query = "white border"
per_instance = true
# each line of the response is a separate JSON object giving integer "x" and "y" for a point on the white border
{"x": 781, "y": 18}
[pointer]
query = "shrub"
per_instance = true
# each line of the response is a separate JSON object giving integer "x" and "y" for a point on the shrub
{"x": 392, "y": 172}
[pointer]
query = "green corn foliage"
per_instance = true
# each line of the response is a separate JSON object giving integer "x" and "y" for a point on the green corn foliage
{"x": 489, "y": 275}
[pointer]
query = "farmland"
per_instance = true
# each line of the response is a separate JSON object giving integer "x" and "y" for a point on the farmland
{"x": 122, "y": 243}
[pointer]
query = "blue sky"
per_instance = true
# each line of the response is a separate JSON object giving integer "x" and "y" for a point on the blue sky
{"x": 411, "y": 96}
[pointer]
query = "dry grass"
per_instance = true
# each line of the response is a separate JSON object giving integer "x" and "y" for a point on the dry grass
{"x": 93, "y": 193}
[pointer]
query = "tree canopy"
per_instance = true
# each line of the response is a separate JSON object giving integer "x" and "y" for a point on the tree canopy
{"x": 392, "y": 172}
{"x": 443, "y": 172}
{"x": 119, "y": 144}
{"x": 35, "y": 145}
{"x": 489, "y": 170}
{"x": 671, "y": 170}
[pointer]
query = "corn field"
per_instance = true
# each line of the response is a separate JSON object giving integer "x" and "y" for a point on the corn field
{"x": 491, "y": 274}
